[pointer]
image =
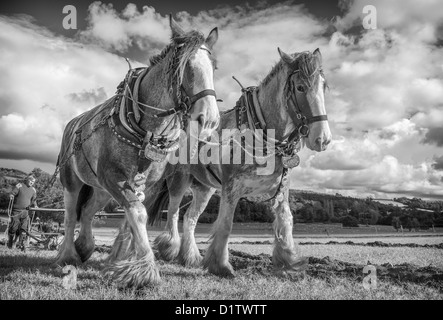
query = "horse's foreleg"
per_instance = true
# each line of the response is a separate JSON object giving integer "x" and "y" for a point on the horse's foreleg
{"x": 284, "y": 255}
{"x": 216, "y": 259}
{"x": 123, "y": 244}
{"x": 139, "y": 269}
{"x": 85, "y": 242}
{"x": 168, "y": 243}
{"x": 67, "y": 253}
{"x": 189, "y": 254}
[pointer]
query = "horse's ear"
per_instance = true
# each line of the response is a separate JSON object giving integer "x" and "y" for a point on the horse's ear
{"x": 175, "y": 27}
{"x": 317, "y": 54}
{"x": 212, "y": 38}
{"x": 285, "y": 57}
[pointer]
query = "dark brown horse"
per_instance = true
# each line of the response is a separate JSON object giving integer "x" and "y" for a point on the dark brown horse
{"x": 121, "y": 146}
{"x": 289, "y": 103}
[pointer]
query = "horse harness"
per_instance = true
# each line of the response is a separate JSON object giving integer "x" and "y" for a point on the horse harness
{"x": 249, "y": 116}
{"x": 124, "y": 118}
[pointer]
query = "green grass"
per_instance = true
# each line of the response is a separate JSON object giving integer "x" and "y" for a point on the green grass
{"x": 29, "y": 276}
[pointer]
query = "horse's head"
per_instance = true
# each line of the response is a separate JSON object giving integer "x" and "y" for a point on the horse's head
{"x": 195, "y": 71}
{"x": 305, "y": 90}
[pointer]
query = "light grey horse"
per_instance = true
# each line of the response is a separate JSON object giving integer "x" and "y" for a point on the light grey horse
{"x": 121, "y": 146}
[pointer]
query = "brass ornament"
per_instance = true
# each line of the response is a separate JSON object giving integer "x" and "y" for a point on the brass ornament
{"x": 290, "y": 162}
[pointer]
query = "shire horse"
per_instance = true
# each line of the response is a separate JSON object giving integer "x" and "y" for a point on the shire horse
{"x": 121, "y": 146}
{"x": 288, "y": 102}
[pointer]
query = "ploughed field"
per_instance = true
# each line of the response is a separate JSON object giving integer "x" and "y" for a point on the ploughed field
{"x": 408, "y": 266}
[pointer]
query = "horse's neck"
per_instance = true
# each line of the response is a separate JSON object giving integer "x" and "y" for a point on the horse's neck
{"x": 273, "y": 106}
{"x": 270, "y": 97}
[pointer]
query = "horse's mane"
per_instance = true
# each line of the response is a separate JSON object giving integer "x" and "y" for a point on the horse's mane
{"x": 305, "y": 62}
{"x": 178, "y": 53}
{"x": 309, "y": 67}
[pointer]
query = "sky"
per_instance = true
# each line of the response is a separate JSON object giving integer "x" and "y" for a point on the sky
{"x": 384, "y": 102}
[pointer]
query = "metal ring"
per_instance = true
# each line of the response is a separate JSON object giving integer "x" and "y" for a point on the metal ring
{"x": 300, "y": 130}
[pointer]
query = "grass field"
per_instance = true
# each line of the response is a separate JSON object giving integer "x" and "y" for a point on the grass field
{"x": 335, "y": 272}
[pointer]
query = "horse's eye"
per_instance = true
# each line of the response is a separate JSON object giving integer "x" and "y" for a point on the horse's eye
{"x": 300, "y": 88}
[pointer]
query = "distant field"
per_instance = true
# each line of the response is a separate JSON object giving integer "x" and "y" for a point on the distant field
{"x": 299, "y": 228}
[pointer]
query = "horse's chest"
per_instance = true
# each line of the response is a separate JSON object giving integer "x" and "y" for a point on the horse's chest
{"x": 256, "y": 185}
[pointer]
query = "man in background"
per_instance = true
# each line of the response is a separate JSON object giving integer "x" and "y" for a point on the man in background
{"x": 24, "y": 196}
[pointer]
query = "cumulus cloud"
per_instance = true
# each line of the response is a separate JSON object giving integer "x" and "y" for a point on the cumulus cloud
{"x": 434, "y": 136}
{"x": 404, "y": 16}
{"x": 94, "y": 96}
{"x": 344, "y": 155}
{"x": 45, "y": 81}
{"x": 438, "y": 164}
{"x": 119, "y": 31}
{"x": 385, "y": 178}
{"x": 386, "y": 92}
{"x": 384, "y": 102}
{"x": 242, "y": 49}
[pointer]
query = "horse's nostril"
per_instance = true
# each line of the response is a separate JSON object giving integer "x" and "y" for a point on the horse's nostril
{"x": 214, "y": 124}
{"x": 201, "y": 120}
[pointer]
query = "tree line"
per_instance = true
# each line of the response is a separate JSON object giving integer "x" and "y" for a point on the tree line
{"x": 306, "y": 207}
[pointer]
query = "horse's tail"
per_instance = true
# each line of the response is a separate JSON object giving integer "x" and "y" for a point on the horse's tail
{"x": 84, "y": 195}
{"x": 158, "y": 204}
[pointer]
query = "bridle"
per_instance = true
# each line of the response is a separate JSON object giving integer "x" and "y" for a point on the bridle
{"x": 298, "y": 108}
{"x": 186, "y": 102}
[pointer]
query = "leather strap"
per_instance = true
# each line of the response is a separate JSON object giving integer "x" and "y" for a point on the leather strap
{"x": 133, "y": 113}
{"x": 187, "y": 102}
{"x": 317, "y": 118}
{"x": 258, "y": 110}
{"x": 201, "y": 94}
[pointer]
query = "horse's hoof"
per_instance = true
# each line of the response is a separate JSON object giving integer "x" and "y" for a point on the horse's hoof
{"x": 225, "y": 271}
{"x": 300, "y": 264}
{"x": 135, "y": 273}
{"x": 84, "y": 249}
{"x": 190, "y": 261}
{"x": 64, "y": 261}
{"x": 168, "y": 248}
